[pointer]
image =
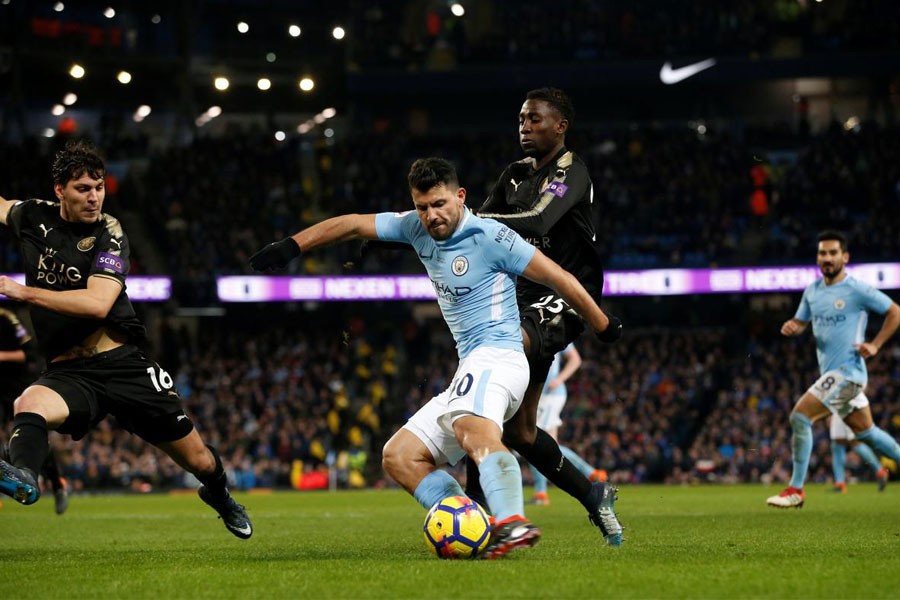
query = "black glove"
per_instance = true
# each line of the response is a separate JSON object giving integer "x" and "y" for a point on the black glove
{"x": 613, "y": 331}
{"x": 275, "y": 255}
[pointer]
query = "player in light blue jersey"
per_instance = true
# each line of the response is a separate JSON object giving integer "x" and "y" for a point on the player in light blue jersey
{"x": 838, "y": 307}
{"x": 473, "y": 264}
{"x": 842, "y": 439}
{"x": 549, "y": 418}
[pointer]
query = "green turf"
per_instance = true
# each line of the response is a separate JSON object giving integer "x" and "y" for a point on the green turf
{"x": 681, "y": 542}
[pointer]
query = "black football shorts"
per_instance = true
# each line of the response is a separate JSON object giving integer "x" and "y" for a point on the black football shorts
{"x": 124, "y": 383}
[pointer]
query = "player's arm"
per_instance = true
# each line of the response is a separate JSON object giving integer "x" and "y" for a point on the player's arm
{"x": 543, "y": 270}
{"x": 330, "y": 231}
{"x": 92, "y": 302}
{"x": 553, "y": 204}
{"x": 12, "y": 356}
{"x": 572, "y": 364}
{"x": 793, "y": 327}
{"x": 5, "y": 206}
{"x": 888, "y": 328}
{"x": 496, "y": 200}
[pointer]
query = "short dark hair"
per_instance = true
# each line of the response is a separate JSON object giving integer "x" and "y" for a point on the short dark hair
{"x": 556, "y": 98}
{"x": 78, "y": 158}
{"x": 834, "y": 234}
{"x": 426, "y": 173}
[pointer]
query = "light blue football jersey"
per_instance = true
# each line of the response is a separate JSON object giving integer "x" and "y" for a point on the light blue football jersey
{"x": 555, "y": 368}
{"x": 473, "y": 273}
{"x": 839, "y": 315}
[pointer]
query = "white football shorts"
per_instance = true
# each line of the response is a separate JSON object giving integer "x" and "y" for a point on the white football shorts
{"x": 489, "y": 383}
{"x": 840, "y": 430}
{"x": 549, "y": 412}
{"x": 839, "y": 394}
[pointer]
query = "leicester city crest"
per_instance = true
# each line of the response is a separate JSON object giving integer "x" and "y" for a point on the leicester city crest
{"x": 459, "y": 266}
{"x": 86, "y": 244}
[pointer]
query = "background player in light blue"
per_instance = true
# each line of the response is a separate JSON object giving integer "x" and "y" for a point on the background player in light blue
{"x": 473, "y": 264}
{"x": 842, "y": 439}
{"x": 553, "y": 399}
{"x": 838, "y": 307}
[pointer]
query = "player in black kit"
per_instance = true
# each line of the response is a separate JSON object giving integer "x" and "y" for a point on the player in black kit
{"x": 16, "y": 357}
{"x": 76, "y": 259}
{"x": 546, "y": 198}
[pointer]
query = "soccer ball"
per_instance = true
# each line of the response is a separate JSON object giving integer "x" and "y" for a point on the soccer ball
{"x": 456, "y": 527}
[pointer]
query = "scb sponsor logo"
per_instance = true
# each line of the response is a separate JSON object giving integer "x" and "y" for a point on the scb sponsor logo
{"x": 110, "y": 262}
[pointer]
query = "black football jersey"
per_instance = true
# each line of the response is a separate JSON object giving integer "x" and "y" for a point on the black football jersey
{"x": 551, "y": 208}
{"x": 59, "y": 255}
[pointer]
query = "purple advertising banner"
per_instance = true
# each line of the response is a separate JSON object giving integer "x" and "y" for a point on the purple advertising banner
{"x": 655, "y": 282}
{"x": 140, "y": 289}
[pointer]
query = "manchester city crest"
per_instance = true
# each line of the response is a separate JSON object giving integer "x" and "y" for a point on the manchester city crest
{"x": 86, "y": 244}
{"x": 839, "y": 304}
{"x": 459, "y": 266}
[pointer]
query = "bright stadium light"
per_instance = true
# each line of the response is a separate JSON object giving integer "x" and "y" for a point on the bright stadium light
{"x": 221, "y": 83}
{"x": 319, "y": 119}
{"x": 294, "y": 31}
{"x": 59, "y": 7}
{"x": 48, "y": 132}
{"x": 303, "y": 128}
{"x": 57, "y": 110}
{"x": 124, "y": 77}
{"x": 307, "y": 84}
{"x": 264, "y": 83}
{"x": 271, "y": 57}
{"x": 328, "y": 113}
{"x": 242, "y": 27}
{"x": 214, "y": 111}
{"x": 110, "y": 12}
{"x": 70, "y": 99}
{"x": 280, "y": 136}
{"x": 457, "y": 9}
{"x": 338, "y": 33}
{"x": 329, "y": 132}
{"x": 76, "y": 71}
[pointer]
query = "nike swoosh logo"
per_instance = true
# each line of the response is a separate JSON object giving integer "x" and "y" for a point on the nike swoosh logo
{"x": 246, "y": 529}
{"x": 670, "y": 76}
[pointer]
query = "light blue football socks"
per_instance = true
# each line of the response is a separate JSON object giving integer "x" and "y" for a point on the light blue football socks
{"x": 501, "y": 480}
{"x": 838, "y": 461}
{"x": 436, "y": 486}
{"x": 868, "y": 456}
{"x": 801, "y": 447}
{"x": 880, "y": 440}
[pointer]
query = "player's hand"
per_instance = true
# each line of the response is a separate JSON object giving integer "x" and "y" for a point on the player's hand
{"x": 790, "y": 327}
{"x": 866, "y": 349}
{"x": 11, "y": 289}
{"x": 275, "y": 255}
{"x": 553, "y": 383}
{"x": 613, "y": 331}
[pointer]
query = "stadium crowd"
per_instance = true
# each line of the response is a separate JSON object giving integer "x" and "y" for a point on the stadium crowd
{"x": 418, "y": 34}
{"x": 670, "y": 197}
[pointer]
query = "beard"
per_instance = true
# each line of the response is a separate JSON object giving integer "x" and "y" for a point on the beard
{"x": 835, "y": 271}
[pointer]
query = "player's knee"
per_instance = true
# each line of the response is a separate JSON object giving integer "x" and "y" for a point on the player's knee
{"x": 519, "y": 436}
{"x": 798, "y": 420}
{"x": 392, "y": 457}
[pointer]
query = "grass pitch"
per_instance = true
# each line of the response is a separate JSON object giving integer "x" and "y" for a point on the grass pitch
{"x": 681, "y": 542}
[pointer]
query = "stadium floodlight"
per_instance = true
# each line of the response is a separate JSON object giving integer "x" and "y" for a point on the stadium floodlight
{"x": 329, "y": 112}
{"x": 303, "y": 128}
{"x": 338, "y": 33}
{"x": 294, "y": 31}
{"x": 124, "y": 77}
{"x": 48, "y": 132}
{"x": 307, "y": 84}
{"x": 271, "y": 57}
{"x": 214, "y": 111}
{"x": 243, "y": 27}
{"x": 76, "y": 71}
{"x": 457, "y": 9}
{"x": 280, "y": 136}
{"x": 57, "y": 110}
{"x": 221, "y": 83}
{"x": 156, "y": 19}
{"x": 109, "y": 12}
{"x": 264, "y": 83}
{"x": 329, "y": 132}
{"x": 70, "y": 99}
{"x": 59, "y": 7}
